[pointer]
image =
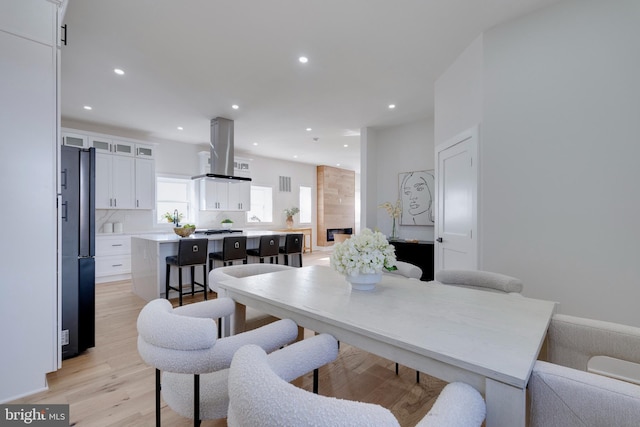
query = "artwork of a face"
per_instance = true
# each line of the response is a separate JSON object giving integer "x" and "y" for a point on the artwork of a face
{"x": 416, "y": 192}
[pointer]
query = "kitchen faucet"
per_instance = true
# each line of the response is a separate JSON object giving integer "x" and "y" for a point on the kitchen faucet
{"x": 176, "y": 220}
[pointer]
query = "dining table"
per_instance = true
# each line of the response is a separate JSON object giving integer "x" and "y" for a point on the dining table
{"x": 485, "y": 339}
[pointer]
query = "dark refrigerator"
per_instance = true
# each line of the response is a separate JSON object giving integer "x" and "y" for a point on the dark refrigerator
{"x": 77, "y": 183}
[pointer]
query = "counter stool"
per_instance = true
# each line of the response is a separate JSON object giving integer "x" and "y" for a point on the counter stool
{"x": 191, "y": 253}
{"x": 292, "y": 246}
{"x": 268, "y": 247}
{"x": 234, "y": 248}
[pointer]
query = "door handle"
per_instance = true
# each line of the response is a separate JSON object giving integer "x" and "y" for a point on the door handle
{"x": 439, "y": 240}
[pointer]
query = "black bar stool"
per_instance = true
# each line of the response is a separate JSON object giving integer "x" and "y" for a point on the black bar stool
{"x": 269, "y": 246}
{"x": 292, "y": 246}
{"x": 191, "y": 253}
{"x": 234, "y": 248}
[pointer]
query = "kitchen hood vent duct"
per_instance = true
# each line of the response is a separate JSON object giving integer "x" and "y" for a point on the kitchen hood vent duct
{"x": 222, "y": 154}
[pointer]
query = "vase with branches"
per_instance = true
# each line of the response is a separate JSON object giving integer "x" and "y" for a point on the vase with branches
{"x": 394, "y": 212}
{"x": 289, "y": 213}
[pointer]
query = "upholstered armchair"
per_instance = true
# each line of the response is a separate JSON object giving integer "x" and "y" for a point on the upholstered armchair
{"x": 482, "y": 280}
{"x": 259, "y": 397}
{"x": 591, "y": 376}
{"x": 190, "y": 360}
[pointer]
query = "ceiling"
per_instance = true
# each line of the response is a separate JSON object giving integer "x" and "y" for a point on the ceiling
{"x": 188, "y": 61}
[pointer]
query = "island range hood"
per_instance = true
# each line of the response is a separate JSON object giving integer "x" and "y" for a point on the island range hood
{"x": 222, "y": 155}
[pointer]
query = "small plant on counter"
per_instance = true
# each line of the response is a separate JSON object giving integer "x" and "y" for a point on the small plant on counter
{"x": 226, "y": 221}
{"x": 171, "y": 217}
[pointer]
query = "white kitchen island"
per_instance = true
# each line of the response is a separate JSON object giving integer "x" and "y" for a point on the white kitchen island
{"x": 149, "y": 253}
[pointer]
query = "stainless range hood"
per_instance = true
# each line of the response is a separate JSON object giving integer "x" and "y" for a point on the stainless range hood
{"x": 222, "y": 155}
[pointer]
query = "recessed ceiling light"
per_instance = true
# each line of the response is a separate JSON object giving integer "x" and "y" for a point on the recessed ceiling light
{"x": 255, "y": 143}
{"x": 295, "y": 156}
{"x": 88, "y": 107}
{"x": 392, "y": 106}
{"x": 309, "y": 129}
{"x": 337, "y": 164}
{"x": 235, "y": 106}
{"x": 118, "y": 71}
{"x": 303, "y": 59}
{"x": 180, "y": 128}
{"x": 345, "y": 145}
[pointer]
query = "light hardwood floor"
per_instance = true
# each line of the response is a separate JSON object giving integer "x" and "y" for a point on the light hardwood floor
{"x": 110, "y": 385}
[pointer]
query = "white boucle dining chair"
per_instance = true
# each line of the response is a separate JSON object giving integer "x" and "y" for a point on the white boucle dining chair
{"x": 192, "y": 363}
{"x": 481, "y": 280}
{"x": 259, "y": 397}
{"x": 407, "y": 270}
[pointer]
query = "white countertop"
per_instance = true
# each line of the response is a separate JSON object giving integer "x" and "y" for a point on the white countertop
{"x": 172, "y": 237}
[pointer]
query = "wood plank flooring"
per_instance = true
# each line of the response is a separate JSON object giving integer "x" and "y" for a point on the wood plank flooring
{"x": 110, "y": 385}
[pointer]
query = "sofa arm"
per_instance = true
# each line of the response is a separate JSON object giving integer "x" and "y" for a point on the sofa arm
{"x": 573, "y": 341}
{"x": 562, "y": 396}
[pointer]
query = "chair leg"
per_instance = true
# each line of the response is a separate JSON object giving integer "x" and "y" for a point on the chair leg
{"x": 196, "y": 400}
{"x": 157, "y": 397}
{"x": 204, "y": 279}
{"x": 315, "y": 381}
{"x": 300, "y": 258}
{"x": 286, "y": 259}
{"x": 166, "y": 286}
{"x": 193, "y": 280}
{"x": 418, "y": 377}
{"x": 396, "y": 368}
{"x": 180, "y": 285}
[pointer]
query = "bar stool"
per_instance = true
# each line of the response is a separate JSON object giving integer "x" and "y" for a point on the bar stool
{"x": 269, "y": 246}
{"x": 292, "y": 246}
{"x": 234, "y": 248}
{"x": 191, "y": 253}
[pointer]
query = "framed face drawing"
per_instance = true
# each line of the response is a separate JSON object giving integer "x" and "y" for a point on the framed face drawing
{"x": 416, "y": 191}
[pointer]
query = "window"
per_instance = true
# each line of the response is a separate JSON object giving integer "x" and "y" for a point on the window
{"x": 305, "y": 205}
{"x": 174, "y": 194}
{"x": 261, "y": 204}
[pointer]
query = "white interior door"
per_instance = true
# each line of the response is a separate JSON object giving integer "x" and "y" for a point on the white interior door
{"x": 456, "y": 245}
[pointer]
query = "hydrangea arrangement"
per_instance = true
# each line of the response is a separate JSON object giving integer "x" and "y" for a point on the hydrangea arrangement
{"x": 367, "y": 252}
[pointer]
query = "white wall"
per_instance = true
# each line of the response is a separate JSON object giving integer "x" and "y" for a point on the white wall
{"x": 559, "y": 149}
{"x": 458, "y": 94}
{"x": 390, "y": 151}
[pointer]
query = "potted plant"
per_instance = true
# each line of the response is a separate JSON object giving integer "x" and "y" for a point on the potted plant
{"x": 290, "y": 212}
{"x": 226, "y": 223}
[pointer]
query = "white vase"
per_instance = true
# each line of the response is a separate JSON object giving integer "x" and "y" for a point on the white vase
{"x": 226, "y": 225}
{"x": 364, "y": 281}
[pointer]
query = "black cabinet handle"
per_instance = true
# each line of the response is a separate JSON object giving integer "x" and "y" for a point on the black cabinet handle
{"x": 439, "y": 240}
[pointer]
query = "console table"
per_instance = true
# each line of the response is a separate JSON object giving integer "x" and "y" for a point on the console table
{"x": 418, "y": 253}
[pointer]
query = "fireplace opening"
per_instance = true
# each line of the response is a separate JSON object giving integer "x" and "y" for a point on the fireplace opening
{"x": 332, "y": 231}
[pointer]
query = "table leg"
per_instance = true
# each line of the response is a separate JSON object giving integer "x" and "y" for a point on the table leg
{"x": 506, "y": 405}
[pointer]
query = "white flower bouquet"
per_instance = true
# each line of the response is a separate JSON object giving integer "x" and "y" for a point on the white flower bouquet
{"x": 367, "y": 252}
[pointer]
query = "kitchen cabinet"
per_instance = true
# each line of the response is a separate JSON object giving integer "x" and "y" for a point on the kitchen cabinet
{"x": 29, "y": 307}
{"x": 239, "y": 196}
{"x": 224, "y": 196}
{"x": 75, "y": 140}
{"x": 145, "y": 183}
{"x": 113, "y": 258}
{"x": 115, "y": 176}
{"x": 125, "y": 169}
